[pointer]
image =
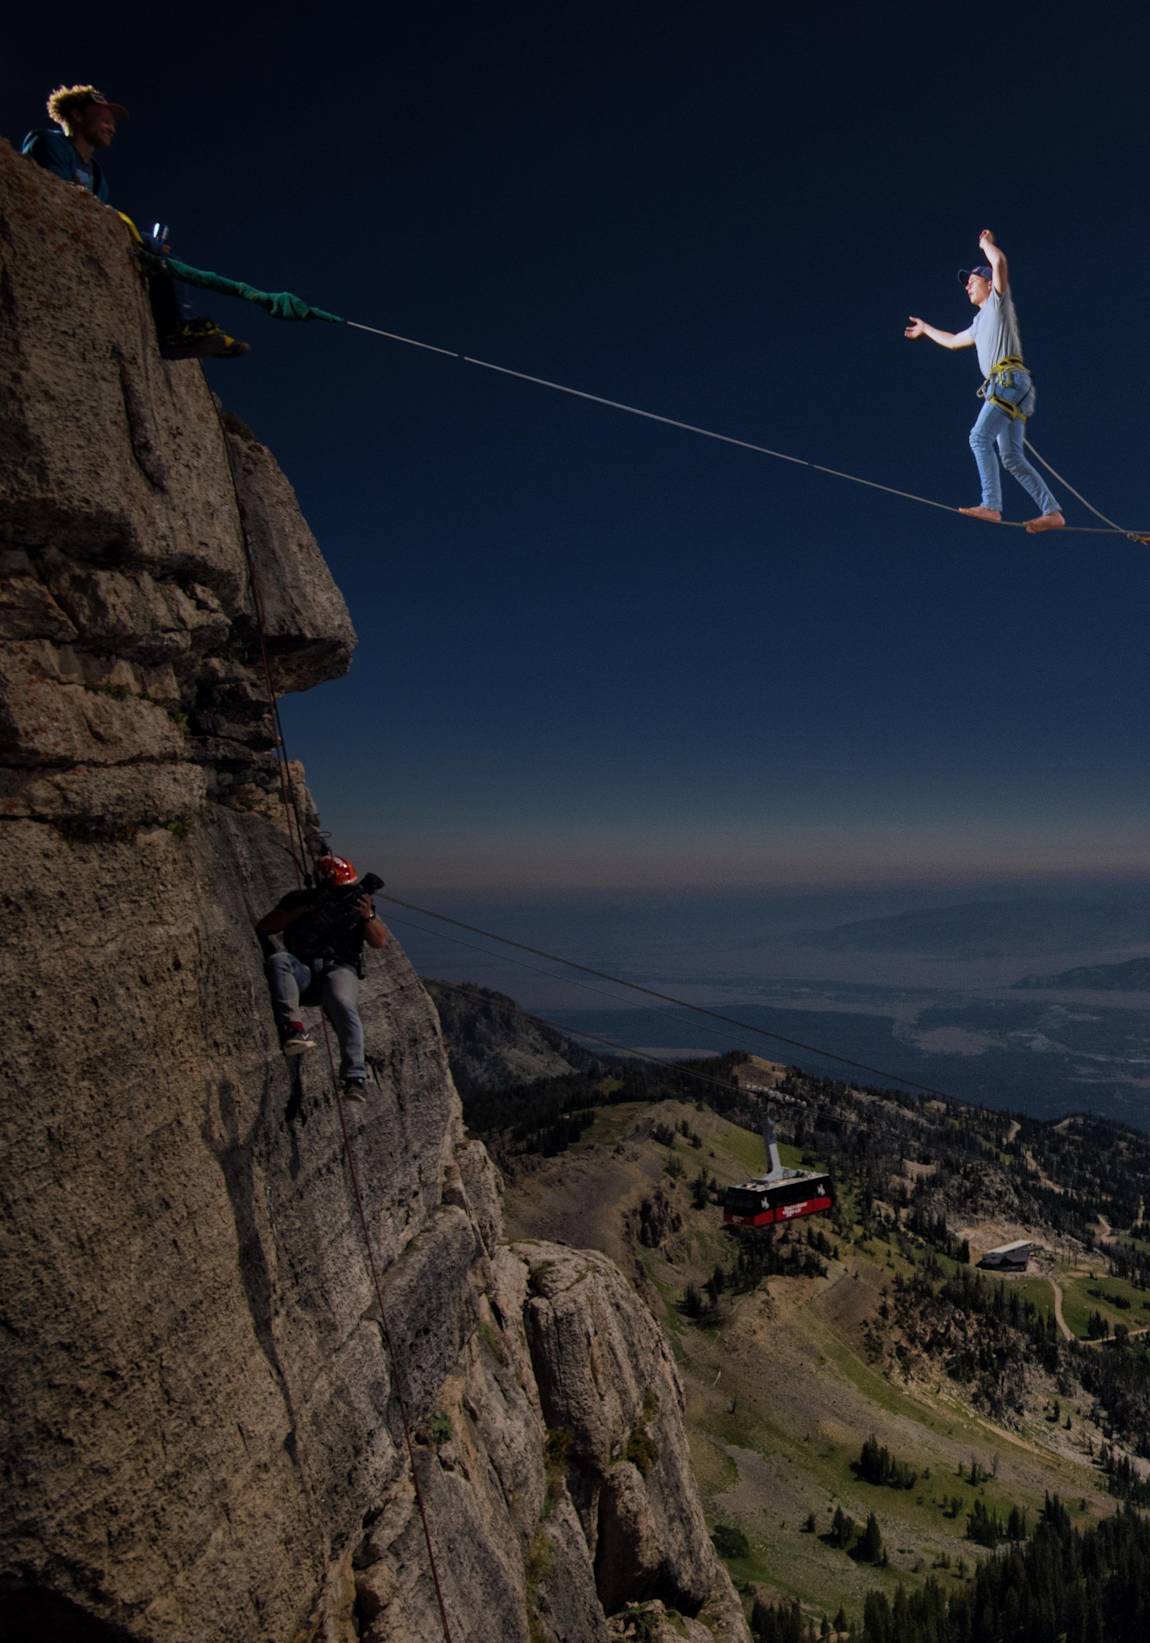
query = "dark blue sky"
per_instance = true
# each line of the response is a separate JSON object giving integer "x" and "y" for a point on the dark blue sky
{"x": 598, "y": 651}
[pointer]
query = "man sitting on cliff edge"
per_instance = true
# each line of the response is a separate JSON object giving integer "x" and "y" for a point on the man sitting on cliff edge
{"x": 324, "y": 931}
{"x": 86, "y": 121}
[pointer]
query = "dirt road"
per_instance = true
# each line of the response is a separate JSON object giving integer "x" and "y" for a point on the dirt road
{"x": 1064, "y": 1328}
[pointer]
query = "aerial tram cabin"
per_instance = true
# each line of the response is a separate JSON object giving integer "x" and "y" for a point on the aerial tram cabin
{"x": 780, "y": 1195}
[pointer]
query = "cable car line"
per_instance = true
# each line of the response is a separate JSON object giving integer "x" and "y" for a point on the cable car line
{"x": 670, "y": 998}
{"x": 629, "y": 1049}
{"x": 780, "y": 1196}
{"x": 600, "y": 1038}
{"x": 536, "y": 969}
{"x": 551, "y": 975}
{"x": 583, "y": 1032}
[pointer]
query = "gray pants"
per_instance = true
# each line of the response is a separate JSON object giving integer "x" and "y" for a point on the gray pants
{"x": 293, "y": 983}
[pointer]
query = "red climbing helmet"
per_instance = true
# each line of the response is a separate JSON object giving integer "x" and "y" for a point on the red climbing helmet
{"x": 334, "y": 870}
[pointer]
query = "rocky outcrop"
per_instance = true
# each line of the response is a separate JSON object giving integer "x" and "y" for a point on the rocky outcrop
{"x": 655, "y": 1221}
{"x": 492, "y": 1044}
{"x": 242, "y": 1324}
{"x": 560, "y": 1468}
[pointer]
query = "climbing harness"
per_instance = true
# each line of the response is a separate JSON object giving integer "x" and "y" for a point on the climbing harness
{"x": 1004, "y": 388}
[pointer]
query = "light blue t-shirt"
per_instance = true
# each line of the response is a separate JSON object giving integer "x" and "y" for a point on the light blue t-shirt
{"x": 994, "y": 331}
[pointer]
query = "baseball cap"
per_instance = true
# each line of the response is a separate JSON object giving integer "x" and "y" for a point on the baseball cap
{"x": 983, "y": 272}
{"x": 66, "y": 99}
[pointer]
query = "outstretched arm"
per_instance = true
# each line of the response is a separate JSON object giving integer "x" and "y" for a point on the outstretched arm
{"x": 996, "y": 257}
{"x": 945, "y": 339}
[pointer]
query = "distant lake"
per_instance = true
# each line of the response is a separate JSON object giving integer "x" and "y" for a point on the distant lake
{"x": 782, "y": 962}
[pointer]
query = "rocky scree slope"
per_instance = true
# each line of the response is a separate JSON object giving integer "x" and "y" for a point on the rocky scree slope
{"x": 204, "y": 1442}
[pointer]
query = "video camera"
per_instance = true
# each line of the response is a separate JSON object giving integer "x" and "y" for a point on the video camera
{"x": 339, "y": 899}
{"x": 333, "y": 907}
{"x": 366, "y": 886}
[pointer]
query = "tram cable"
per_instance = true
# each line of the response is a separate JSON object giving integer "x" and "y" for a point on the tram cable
{"x": 584, "y": 1032}
{"x": 670, "y": 998}
{"x": 627, "y": 1049}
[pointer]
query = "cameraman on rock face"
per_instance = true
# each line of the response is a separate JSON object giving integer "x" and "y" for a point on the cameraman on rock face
{"x": 324, "y": 931}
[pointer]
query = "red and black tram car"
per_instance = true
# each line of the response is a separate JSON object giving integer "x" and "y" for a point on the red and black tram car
{"x": 766, "y": 1203}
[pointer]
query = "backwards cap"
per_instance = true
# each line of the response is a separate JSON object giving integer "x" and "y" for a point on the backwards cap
{"x": 68, "y": 100}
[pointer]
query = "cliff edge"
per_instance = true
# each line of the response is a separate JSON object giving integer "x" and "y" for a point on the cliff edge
{"x": 206, "y": 1439}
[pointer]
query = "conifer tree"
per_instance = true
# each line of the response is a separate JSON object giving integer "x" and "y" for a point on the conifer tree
{"x": 877, "y": 1619}
{"x": 842, "y": 1529}
{"x": 869, "y": 1549}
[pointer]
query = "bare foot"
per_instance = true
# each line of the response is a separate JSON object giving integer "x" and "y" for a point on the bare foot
{"x": 1046, "y": 522}
{"x": 992, "y": 515}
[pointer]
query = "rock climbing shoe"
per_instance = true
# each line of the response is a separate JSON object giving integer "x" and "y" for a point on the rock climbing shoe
{"x": 353, "y": 1089}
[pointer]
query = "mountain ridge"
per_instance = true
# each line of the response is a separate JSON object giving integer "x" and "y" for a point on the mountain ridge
{"x": 996, "y": 928}
{"x": 1131, "y": 975}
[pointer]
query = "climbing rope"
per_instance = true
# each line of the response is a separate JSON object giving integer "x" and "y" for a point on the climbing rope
{"x": 296, "y": 839}
{"x": 285, "y": 305}
{"x": 1110, "y": 529}
{"x": 1134, "y": 536}
{"x": 670, "y": 998}
{"x": 389, "y": 1345}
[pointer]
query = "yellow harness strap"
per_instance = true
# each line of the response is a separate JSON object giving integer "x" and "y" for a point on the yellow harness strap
{"x": 1002, "y": 376}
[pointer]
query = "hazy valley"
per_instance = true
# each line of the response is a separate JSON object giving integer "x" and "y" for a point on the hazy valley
{"x": 997, "y": 1001}
{"x": 870, "y": 1324}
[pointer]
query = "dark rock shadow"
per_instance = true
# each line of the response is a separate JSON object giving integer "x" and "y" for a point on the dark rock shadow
{"x": 35, "y": 1614}
{"x": 233, "y": 1153}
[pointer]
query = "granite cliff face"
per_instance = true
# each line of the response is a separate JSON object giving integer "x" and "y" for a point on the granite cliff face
{"x": 205, "y": 1441}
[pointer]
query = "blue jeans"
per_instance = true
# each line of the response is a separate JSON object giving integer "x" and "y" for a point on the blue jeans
{"x": 293, "y": 983}
{"x": 995, "y": 428}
